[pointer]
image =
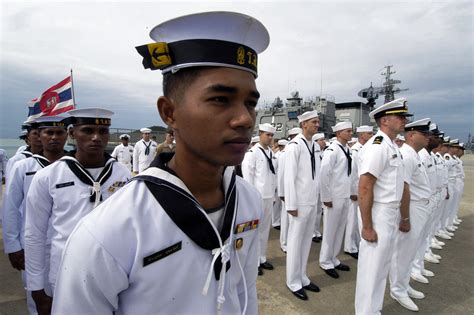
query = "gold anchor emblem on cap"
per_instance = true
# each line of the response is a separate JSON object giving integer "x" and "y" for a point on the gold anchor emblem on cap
{"x": 239, "y": 243}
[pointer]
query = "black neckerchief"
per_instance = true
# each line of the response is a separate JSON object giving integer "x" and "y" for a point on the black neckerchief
{"x": 269, "y": 160}
{"x": 349, "y": 160}
{"x": 27, "y": 153}
{"x": 147, "y": 147}
{"x": 183, "y": 209}
{"x": 85, "y": 177}
{"x": 313, "y": 161}
{"x": 42, "y": 161}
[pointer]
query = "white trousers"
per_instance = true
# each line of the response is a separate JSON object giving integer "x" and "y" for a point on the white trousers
{"x": 300, "y": 233}
{"x": 459, "y": 187}
{"x": 373, "y": 265}
{"x": 352, "y": 237}
{"x": 276, "y": 213}
{"x": 319, "y": 214}
{"x": 285, "y": 221}
{"x": 449, "y": 204}
{"x": 443, "y": 209}
{"x": 407, "y": 245}
{"x": 264, "y": 229}
{"x": 335, "y": 219}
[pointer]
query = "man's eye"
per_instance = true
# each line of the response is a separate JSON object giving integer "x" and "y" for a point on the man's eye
{"x": 219, "y": 99}
{"x": 251, "y": 103}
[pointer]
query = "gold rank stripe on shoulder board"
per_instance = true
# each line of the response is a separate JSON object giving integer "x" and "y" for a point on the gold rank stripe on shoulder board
{"x": 246, "y": 226}
{"x": 378, "y": 140}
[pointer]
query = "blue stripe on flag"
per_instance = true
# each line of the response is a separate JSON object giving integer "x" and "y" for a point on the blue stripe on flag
{"x": 35, "y": 109}
{"x": 65, "y": 95}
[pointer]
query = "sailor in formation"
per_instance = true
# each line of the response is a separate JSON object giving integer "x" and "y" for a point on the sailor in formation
{"x": 420, "y": 210}
{"x": 335, "y": 185}
{"x": 189, "y": 243}
{"x": 123, "y": 153}
{"x": 352, "y": 235}
{"x": 302, "y": 166}
{"x": 143, "y": 152}
{"x": 277, "y": 205}
{"x": 320, "y": 139}
{"x": 64, "y": 192}
{"x": 259, "y": 170}
{"x": 383, "y": 205}
{"x": 53, "y": 136}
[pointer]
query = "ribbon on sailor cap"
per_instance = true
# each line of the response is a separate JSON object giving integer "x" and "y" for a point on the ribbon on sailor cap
{"x": 90, "y": 116}
{"x": 219, "y": 39}
{"x": 51, "y": 121}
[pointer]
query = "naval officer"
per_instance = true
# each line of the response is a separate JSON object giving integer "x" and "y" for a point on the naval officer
{"x": 335, "y": 183}
{"x": 64, "y": 192}
{"x": 259, "y": 169}
{"x": 123, "y": 153}
{"x": 352, "y": 235}
{"x": 421, "y": 209}
{"x": 383, "y": 204}
{"x": 302, "y": 165}
{"x": 143, "y": 152}
{"x": 190, "y": 242}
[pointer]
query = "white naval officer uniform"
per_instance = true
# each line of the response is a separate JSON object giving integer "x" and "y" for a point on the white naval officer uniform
{"x": 450, "y": 163}
{"x": 124, "y": 155}
{"x": 458, "y": 189}
{"x": 141, "y": 160}
{"x": 256, "y": 171}
{"x": 381, "y": 158}
{"x": 335, "y": 183}
{"x": 58, "y": 197}
{"x": 302, "y": 166}
{"x": 352, "y": 235}
{"x": 166, "y": 253}
{"x": 421, "y": 209}
{"x": 442, "y": 186}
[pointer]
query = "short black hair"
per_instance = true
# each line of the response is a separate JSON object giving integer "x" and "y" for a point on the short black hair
{"x": 174, "y": 84}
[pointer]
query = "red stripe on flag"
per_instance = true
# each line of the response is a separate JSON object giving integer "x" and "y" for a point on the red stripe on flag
{"x": 59, "y": 85}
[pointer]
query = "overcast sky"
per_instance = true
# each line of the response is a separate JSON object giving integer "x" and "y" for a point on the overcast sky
{"x": 346, "y": 44}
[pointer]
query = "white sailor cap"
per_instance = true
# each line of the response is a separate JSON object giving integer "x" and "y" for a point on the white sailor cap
{"x": 124, "y": 136}
{"x": 282, "y": 142}
{"x": 90, "y": 116}
{"x": 145, "y": 130}
{"x": 396, "y": 107}
{"x": 294, "y": 131}
{"x": 255, "y": 139}
{"x": 216, "y": 39}
{"x": 421, "y": 125}
{"x": 318, "y": 136}
{"x": 441, "y": 134}
{"x": 266, "y": 128}
{"x": 434, "y": 129}
{"x": 365, "y": 128}
{"x": 307, "y": 115}
{"x": 342, "y": 126}
{"x": 446, "y": 139}
{"x": 400, "y": 137}
{"x": 51, "y": 121}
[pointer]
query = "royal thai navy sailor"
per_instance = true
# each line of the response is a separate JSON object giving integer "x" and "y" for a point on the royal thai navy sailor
{"x": 123, "y": 153}
{"x": 285, "y": 221}
{"x": 319, "y": 138}
{"x": 335, "y": 189}
{"x": 143, "y": 152}
{"x": 64, "y": 192}
{"x": 417, "y": 136}
{"x": 190, "y": 242}
{"x": 383, "y": 205}
{"x": 23, "y": 136}
{"x": 259, "y": 169}
{"x": 302, "y": 166}
{"x": 53, "y": 136}
{"x": 352, "y": 235}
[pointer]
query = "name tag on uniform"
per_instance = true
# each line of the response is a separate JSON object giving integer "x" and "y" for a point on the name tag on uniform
{"x": 64, "y": 185}
{"x": 246, "y": 226}
{"x": 30, "y": 173}
{"x": 162, "y": 254}
{"x": 394, "y": 156}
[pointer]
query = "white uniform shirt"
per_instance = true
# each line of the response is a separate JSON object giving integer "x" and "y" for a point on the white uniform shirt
{"x": 281, "y": 174}
{"x": 381, "y": 158}
{"x": 140, "y": 160}
{"x": 17, "y": 157}
{"x": 156, "y": 267}
{"x": 301, "y": 188}
{"x": 335, "y": 181}
{"x": 256, "y": 170}
{"x": 355, "y": 168}
{"x": 57, "y": 195}
{"x": 430, "y": 166}
{"x": 450, "y": 163}
{"x": 14, "y": 203}
{"x": 415, "y": 174}
{"x": 443, "y": 168}
{"x": 124, "y": 155}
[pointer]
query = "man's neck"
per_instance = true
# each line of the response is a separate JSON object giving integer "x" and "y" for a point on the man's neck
{"x": 308, "y": 135}
{"x": 53, "y": 156}
{"x": 36, "y": 149}
{"x": 361, "y": 140}
{"x": 392, "y": 135}
{"x": 263, "y": 145}
{"x": 341, "y": 141}
{"x": 412, "y": 145}
{"x": 90, "y": 160}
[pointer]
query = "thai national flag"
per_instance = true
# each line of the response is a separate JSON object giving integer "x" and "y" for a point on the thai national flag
{"x": 54, "y": 101}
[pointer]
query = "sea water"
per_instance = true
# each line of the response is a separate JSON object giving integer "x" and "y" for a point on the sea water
{"x": 11, "y": 145}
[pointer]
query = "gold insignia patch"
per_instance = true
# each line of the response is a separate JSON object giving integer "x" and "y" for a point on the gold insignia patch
{"x": 378, "y": 140}
{"x": 241, "y": 55}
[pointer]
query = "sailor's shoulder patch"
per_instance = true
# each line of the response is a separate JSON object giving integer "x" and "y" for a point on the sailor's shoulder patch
{"x": 378, "y": 140}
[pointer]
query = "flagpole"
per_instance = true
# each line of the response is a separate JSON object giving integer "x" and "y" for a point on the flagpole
{"x": 72, "y": 90}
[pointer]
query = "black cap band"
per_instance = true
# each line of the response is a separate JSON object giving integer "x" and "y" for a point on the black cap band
{"x": 424, "y": 128}
{"x": 90, "y": 121}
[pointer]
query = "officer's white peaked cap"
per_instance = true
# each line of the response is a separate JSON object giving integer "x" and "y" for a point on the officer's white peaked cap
{"x": 308, "y": 115}
{"x": 294, "y": 131}
{"x": 365, "y": 128}
{"x": 422, "y": 125}
{"x": 318, "y": 136}
{"x": 342, "y": 126}
{"x": 145, "y": 130}
{"x": 282, "y": 142}
{"x": 218, "y": 39}
{"x": 266, "y": 128}
{"x": 396, "y": 107}
{"x": 124, "y": 136}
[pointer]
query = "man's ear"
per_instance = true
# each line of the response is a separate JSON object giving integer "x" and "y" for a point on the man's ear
{"x": 166, "y": 109}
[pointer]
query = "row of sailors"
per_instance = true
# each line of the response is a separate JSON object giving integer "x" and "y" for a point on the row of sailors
{"x": 297, "y": 179}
